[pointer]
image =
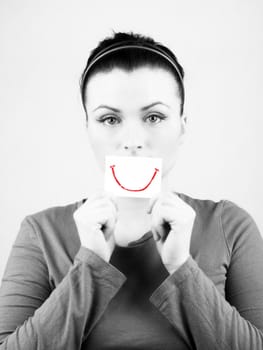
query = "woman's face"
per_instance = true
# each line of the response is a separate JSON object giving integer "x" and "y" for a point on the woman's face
{"x": 134, "y": 114}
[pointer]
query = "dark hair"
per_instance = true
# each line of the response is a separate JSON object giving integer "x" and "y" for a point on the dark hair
{"x": 130, "y": 59}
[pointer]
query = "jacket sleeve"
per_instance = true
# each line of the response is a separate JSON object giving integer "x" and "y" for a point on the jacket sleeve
{"x": 33, "y": 316}
{"x": 194, "y": 306}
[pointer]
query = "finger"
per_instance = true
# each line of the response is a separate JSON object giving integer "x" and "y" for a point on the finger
{"x": 100, "y": 196}
{"x": 156, "y": 235}
{"x": 95, "y": 196}
{"x": 113, "y": 200}
{"x": 151, "y": 204}
{"x": 107, "y": 231}
{"x": 162, "y": 230}
{"x": 171, "y": 199}
{"x": 109, "y": 225}
{"x": 103, "y": 201}
{"x": 161, "y": 197}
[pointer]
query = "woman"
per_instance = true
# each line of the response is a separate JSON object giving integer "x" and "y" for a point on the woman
{"x": 172, "y": 272}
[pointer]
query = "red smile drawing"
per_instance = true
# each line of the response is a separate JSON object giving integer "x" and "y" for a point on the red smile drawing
{"x": 127, "y": 189}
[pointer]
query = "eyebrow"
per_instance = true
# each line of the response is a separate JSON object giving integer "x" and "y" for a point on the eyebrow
{"x": 142, "y": 109}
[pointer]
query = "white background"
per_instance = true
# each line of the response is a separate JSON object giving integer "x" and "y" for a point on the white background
{"x": 44, "y": 152}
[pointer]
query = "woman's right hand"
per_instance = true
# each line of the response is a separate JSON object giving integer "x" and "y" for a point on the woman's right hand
{"x": 95, "y": 221}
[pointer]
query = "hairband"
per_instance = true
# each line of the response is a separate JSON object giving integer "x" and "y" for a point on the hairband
{"x": 127, "y": 45}
{"x": 119, "y": 46}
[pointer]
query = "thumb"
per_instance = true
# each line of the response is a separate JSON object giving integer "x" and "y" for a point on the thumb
{"x": 158, "y": 232}
{"x": 108, "y": 228}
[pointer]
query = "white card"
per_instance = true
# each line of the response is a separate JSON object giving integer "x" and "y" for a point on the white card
{"x": 133, "y": 176}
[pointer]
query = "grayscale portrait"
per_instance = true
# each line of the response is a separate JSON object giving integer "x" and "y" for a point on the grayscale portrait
{"x": 131, "y": 194}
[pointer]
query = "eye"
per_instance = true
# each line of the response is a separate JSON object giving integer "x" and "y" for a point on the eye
{"x": 155, "y": 118}
{"x": 111, "y": 120}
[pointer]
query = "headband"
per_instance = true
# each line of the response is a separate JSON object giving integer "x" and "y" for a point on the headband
{"x": 128, "y": 45}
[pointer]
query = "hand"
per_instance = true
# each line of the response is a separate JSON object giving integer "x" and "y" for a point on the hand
{"x": 95, "y": 221}
{"x": 171, "y": 215}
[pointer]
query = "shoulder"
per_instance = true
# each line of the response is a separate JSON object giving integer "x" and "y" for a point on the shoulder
{"x": 234, "y": 223}
{"x": 53, "y": 219}
{"x": 53, "y": 214}
{"x": 53, "y": 234}
{"x": 204, "y": 208}
{"x": 239, "y": 228}
{"x": 223, "y": 209}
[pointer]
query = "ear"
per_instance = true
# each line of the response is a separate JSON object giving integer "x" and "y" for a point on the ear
{"x": 183, "y": 129}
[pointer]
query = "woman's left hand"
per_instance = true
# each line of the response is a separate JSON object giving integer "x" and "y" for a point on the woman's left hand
{"x": 174, "y": 248}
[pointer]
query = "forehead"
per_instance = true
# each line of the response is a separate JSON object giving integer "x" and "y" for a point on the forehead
{"x": 118, "y": 85}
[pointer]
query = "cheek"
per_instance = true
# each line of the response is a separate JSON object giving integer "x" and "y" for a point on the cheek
{"x": 95, "y": 136}
{"x": 96, "y": 140}
{"x": 169, "y": 138}
{"x": 93, "y": 141}
{"x": 168, "y": 146}
{"x": 105, "y": 140}
{"x": 100, "y": 144}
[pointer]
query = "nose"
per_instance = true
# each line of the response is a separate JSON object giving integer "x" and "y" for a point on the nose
{"x": 132, "y": 148}
{"x": 133, "y": 141}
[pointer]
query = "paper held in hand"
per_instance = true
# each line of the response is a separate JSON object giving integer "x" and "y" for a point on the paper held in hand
{"x": 133, "y": 176}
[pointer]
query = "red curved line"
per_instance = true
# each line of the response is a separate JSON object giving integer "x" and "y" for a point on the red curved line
{"x": 142, "y": 189}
